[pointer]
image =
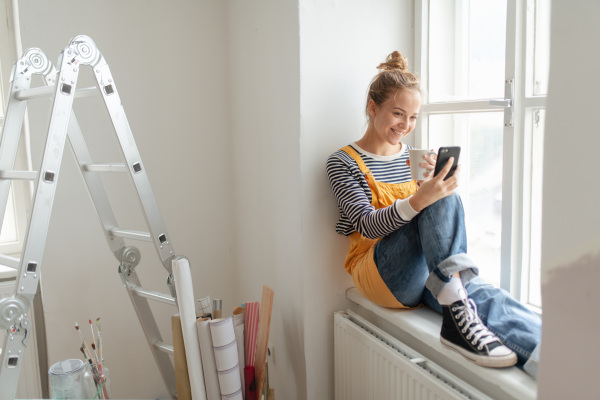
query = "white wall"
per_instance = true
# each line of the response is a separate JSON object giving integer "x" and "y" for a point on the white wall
{"x": 342, "y": 43}
{"x": 570, "y": 251}
{"x": 265, "y": 154}
{"x": 171, "y": 73}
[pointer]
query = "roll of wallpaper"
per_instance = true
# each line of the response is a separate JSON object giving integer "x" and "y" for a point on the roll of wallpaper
{"x": 229, "y": 381}
{"x": 187, "y": 312}
{"x": 234, "y": 396}
{"x": 226, "y": 357}
{"x": 204, "y": 306}
{"x": 221, "y": 331}
{"x": 223, "y": 337}
{"x": 211, "y": 380}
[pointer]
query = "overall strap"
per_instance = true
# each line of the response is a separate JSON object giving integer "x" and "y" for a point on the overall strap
{"x": 354, "y": 154}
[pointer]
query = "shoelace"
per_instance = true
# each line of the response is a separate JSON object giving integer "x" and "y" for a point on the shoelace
{"x": 467, "y": 314}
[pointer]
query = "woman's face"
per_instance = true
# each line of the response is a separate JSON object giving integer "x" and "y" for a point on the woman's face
{"x": 396, "y": 117}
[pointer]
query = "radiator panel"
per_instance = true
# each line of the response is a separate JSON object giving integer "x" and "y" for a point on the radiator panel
{"x": 371, "y": 364}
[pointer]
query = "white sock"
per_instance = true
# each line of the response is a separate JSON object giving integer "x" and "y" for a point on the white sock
{"x": 451, "y": 292}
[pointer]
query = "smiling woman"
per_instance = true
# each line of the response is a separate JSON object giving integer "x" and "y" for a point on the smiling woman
{"x": 408, "y": 238}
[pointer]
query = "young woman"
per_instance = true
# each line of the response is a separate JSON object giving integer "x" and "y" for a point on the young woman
{"x": 408, "y": 242}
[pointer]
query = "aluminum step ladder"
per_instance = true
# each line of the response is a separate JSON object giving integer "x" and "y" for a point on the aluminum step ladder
{"x": 61, "y": 85}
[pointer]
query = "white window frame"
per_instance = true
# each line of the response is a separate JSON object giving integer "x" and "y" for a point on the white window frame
{"x": 517, "y": 175}
{"x": 10, "y": 51}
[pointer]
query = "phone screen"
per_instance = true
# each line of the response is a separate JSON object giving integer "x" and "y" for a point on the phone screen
{"x": 444, "y": 153}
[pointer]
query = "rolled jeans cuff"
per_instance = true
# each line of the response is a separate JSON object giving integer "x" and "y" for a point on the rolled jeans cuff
{"x": 442, "y": 274}
{"x": 532, "y": 364}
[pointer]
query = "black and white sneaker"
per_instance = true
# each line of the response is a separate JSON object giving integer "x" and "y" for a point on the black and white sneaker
{"x": 463, "y": 331}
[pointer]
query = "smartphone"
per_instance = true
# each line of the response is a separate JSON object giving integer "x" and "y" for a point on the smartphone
{"x": 444, "y": 153}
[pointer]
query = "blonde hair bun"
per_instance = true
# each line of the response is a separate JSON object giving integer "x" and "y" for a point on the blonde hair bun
{"x": 395, "y": 61}
{"x": 393, "y": 76}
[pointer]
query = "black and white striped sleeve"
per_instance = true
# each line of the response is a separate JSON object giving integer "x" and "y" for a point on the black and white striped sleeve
{"x": 354, "y": 201}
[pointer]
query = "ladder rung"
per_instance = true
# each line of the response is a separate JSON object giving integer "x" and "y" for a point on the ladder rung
{"x": 105, "y": 167}
{"x": 46, "y": 91}
{"x": 153, "y": 295}
{"x": 164, "y": 347}
{"x": 136, "y": 235}
{"x": 9, "y": 261}
{"x": 19, "y": 175}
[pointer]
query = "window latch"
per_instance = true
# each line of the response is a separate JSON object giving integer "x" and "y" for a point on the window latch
{"x": 507, "y": 102}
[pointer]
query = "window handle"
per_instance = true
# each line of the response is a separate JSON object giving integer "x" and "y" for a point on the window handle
{"x": 506, "y": 103}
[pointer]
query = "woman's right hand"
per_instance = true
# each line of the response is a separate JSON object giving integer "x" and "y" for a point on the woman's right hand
{"x": 436, "y": 188}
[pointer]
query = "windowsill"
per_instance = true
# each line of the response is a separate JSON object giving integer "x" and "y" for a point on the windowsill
{"x": 420, "y": 329}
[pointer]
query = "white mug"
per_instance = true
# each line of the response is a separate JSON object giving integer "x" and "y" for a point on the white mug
{"x": 416, "y": 158}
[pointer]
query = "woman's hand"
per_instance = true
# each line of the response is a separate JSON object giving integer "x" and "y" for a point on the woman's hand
{"x": 435, "y": 188}
{"x": 429, "y": 166}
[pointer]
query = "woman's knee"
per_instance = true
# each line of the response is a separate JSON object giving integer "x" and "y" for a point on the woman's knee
{"x": 452, "y": 201}
{"x": 448, "y": 205}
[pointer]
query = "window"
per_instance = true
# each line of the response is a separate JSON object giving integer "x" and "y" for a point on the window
{"x": 14, "y": 222}
{"x": 484, "y": 65}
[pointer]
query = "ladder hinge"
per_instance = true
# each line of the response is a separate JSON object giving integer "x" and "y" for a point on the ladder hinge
{"x": 130, "y": 258}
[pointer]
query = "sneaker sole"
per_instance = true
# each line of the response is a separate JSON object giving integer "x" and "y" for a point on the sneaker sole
{"x": 484, "y": 361}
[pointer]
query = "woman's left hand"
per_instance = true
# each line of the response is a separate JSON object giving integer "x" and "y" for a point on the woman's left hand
{"x": 429, "y": 165}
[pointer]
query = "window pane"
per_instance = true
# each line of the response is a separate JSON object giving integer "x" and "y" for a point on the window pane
{"x": 466, "y": 49}
{"x": 541, "y": 61}
{"x": 480, "y": 137}
{"x": 9, "y": 226}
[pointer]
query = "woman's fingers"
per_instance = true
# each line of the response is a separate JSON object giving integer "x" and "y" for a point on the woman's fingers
{"x": 430, "y": 165}
{"x": 444, "y": 171}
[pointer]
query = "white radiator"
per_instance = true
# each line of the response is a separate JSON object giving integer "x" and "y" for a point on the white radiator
{"x": 372, "y": 365}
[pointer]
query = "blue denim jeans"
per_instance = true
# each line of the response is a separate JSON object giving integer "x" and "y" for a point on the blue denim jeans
{"x": 419, "y": 258}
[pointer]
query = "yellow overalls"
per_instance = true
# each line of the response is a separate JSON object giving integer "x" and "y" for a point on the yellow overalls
{"x": 359, "y": 261}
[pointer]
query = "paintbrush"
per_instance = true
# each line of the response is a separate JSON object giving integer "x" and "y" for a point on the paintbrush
{"x": 88, "y": 358}
{"x": 82, "y": 339}
{"x": 95, "y": 353}
{"x": 99, "y": 339}
{"x": 99, "y": 365}
{"x": 92, "y": 329}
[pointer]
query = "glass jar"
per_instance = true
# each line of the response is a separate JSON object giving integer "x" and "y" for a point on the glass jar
{"x": 97, "y": 381}
{"x": 66, "y": 380}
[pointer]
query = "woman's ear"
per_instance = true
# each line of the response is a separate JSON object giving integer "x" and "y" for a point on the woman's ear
{"x": 371, "y": 108}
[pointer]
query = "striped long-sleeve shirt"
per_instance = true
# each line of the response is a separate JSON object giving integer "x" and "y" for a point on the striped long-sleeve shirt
{"x": 354, "y": 196}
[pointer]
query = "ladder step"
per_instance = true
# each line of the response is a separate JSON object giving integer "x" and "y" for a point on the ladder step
{"x": 135, "y": 235}
{"x": 105, "y": 167}
{"x": 164, "y": 347}
{"x": 153, "y": 295}
{"x": 19, "y": 175}
{"x": 47, "y": 91}
{"x": 10, "y": 262}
